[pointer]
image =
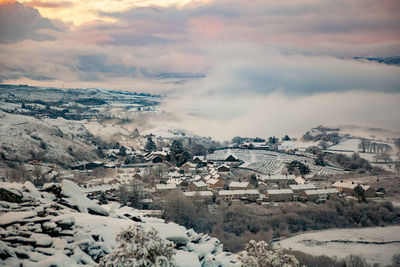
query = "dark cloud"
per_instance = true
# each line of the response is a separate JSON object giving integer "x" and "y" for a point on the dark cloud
{"x": 90, "y": 66}
{"x": 19, "y": 22}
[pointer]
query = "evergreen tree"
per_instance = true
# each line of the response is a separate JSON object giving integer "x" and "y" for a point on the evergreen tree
{"x": 178, "y": 154}
{"x": 360, "y": 193}
{"x": 150, "y": 145}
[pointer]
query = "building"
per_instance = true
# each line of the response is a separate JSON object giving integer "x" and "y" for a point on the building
{"x": 163, "y": 189}
{"x": 223, "y": 168}
{"x": 197, "y": 186}
{"x": 229, "y": 195}
{"x": 189, "y": 167}
{"x": 204, "y": 195}
{"x": 232, "y": 158}
{"x": 199, "y": 160}
{"x": 215, "y": 183}
{"x": 318, "y": 194}
{"x": 298, "y": 188}
{"x": 239, "y": 185}
{"x": 347, "y": 187}
{"x": 279, "y": 194}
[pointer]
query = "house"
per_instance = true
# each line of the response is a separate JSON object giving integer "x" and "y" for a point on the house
{"x": 223, "y": 168}
{"x": 279, "y": 194}
{"x": 298, "y": 188}
{"x": 215, "y": 183}
{"x": 163, "y": 189}
{"x": 318, "y": 194}
{"x": 232, "y": 158}
{"x": 238, "y": 185}
{"x": 347, "y": 187}
{"x": 229, "y": 195}
{"x": 197, "y": 186}
{"x": 189, "y": 167}
{"x": 199, "y": 160}
{"x": 204, "y": 195}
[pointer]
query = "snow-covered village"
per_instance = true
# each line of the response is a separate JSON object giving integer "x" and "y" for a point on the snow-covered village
{"x": 200, "y": 133}
{"x": 70, "y": 186}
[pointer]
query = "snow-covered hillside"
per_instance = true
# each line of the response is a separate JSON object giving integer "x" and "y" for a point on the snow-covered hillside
{"x": 55, "y": 140}
{"x": 59, "y": 226}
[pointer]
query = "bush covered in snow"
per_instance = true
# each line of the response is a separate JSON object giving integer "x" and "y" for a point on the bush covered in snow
{"x": 136, "y": 247}
{"x": 260, "y": 254}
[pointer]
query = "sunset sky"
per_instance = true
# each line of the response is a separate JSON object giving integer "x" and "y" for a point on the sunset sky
{"x": 218, "y": 61}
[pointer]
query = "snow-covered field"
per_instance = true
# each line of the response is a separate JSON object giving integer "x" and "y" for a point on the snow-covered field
{"x": 270, "y": 162}
{"x": 346, "y": 145}
{"x": 375, "y": 244}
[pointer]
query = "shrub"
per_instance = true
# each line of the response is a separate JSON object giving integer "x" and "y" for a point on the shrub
{"x": 136, "y": 247}
{"x": 260, "y": 254}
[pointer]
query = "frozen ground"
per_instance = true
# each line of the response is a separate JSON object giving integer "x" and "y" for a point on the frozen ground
{"x": 375, "y": 244}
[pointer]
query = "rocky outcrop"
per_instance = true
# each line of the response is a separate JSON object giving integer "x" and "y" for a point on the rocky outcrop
{"x": 59, "y": 226}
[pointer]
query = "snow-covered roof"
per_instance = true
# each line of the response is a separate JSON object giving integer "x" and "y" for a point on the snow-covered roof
{"x": 196, "y": 177}
{"x": 299, "y": 180}
{"x": 302, "y": 186}
{"x": 321, "y": 191}
{"x": 239, "y": 184}
{"x": 200, "y": 184}
{"x": 279, "y": 191}
{"x": 165, "y": 186}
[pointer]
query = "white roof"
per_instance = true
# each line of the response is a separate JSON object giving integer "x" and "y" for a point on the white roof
{"x": 299, "y": 180}
{"x": 165, "y": 186}
{"x": 175, "y": 181}
{"x": 238, "y": 192}
{"x": 200, "y": 193}
{"x": 278, "y": 177}
{"x": 322, "y": 191}
{"x": 239, "y": 184}
{"x": 301, "y": 186}
{"x": 200, "y": 184}
{"x": 208, "y": 177}
{"x": 196, "y": 177}
{"x": 279, "y": 191}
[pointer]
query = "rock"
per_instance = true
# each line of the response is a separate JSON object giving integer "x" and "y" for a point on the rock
{"x": 65, "y": 223}
{"x": 5, "y": 252}
{"x": 32, "y": 189}
{"x": 21, "y": 253}
{"x": 52, "y": 188}
{"x": 42, "y": 240}
{"x": 19, "y": 240}
{"x": 9, "y": 195}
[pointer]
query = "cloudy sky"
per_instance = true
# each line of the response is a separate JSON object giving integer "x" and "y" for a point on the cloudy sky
{"x": 227, "y": 67}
